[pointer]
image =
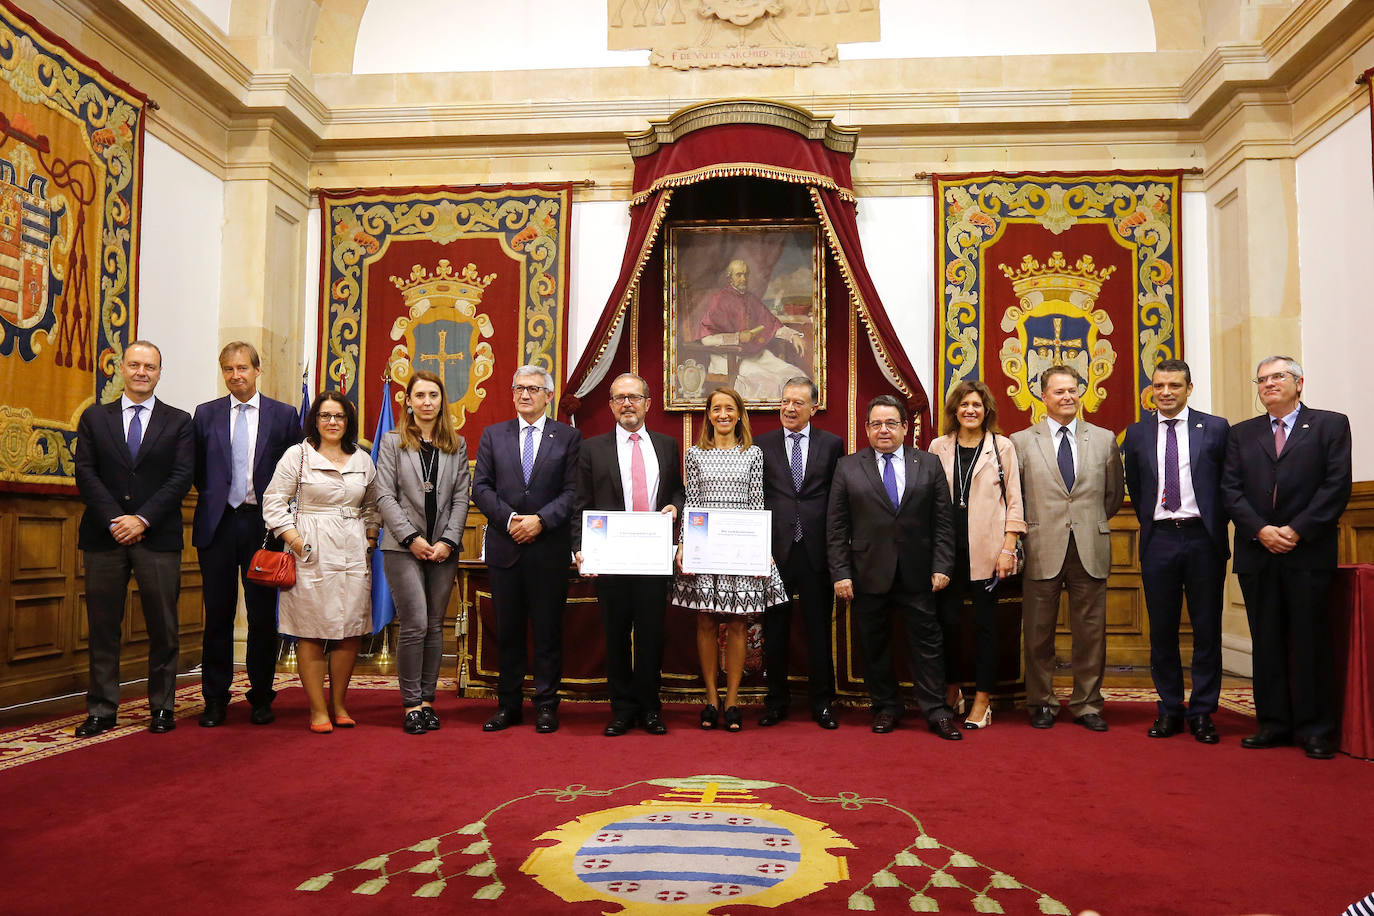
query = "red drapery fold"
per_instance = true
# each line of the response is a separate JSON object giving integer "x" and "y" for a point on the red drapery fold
{"x": 768, "y": 153}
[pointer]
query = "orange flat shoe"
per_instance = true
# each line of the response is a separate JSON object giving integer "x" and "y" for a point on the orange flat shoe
{"x": 344, "y": 722}
{"x": 321, "y": 728}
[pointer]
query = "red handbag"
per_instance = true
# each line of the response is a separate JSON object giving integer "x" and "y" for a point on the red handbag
{"x": 277, "y": 568}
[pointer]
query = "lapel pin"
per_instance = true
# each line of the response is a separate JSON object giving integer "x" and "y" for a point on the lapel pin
{"x": 1199, "y": 426}
{"x": 1304, "y": 426}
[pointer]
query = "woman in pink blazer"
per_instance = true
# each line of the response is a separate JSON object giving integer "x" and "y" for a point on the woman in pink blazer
{"x": 985, "y": 486}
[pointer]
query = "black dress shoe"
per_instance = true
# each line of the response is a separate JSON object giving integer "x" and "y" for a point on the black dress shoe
{"x": 1319, "y": 748}
{"x": 772, "y": 717}
{"x": 883, "y": 723}
{"x": 262, "y": 715}
{"x": 1166, "y": 727}
{"x": 1092, "y": 722}
{"x": 94, "y": 725}
{"x": 431, "y": 718}
{"x": 653, "y": 724}
{"x": 546, "y": 720}
{"x": 947, "y": 728}
{"x": 1042, "y": 716}
{"x": 503, "y": 719}
{"x": 1265, "y": 739}
{"x": 215, "y": 711}
{"x": 618, "y": 727}
{"x": 826, "y": 719}
{"x": 1203, "y": 729}
{"x": 161, "y": 722}
{"x": 414, "y": 723}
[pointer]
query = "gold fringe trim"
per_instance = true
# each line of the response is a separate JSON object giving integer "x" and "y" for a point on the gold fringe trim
{"x": 855, "y": 298}
{"x": 743, "y": 170}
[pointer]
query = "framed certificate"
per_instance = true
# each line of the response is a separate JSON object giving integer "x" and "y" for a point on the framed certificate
{"x": 735, "y": 542}
{"x": 627, "y": 543}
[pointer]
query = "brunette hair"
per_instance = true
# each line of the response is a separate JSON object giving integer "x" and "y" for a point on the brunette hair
{"x": 446, "y": 438}
{"x": 956, "y": 396}
{"x": 886, "y": 400}
{"x": 234, "y": 346}
{"x": 743, "y": 438}
{"x": 312, "y": 421}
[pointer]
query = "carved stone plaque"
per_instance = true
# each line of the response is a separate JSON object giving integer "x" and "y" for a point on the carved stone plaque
{"x": 687, "y": 34}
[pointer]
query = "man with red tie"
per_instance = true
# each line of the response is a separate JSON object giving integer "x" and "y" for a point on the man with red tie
{"x": 630, "y": 469}
{"x": 1285, "y": 483}
{"x": 1173, "y": 473}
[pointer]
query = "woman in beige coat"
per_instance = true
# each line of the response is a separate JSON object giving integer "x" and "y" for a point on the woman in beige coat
{"x": 332, "y": 531}
{"x": 985, "y": 485}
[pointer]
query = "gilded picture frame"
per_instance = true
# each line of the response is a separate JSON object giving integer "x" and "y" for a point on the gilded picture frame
{"x": 745, "y": 309}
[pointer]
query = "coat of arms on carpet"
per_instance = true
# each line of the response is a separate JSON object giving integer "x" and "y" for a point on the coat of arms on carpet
{"x": 693, "y": 846}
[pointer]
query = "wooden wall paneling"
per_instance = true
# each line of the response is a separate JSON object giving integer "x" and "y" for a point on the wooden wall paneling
{"x": 1357, "y": 525}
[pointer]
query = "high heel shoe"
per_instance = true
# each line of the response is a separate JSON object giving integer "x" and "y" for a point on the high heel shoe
{"x": 958, "y": 706}
{"x": 972, "y": 724}
{"x": 709, "y": 714}
{"x": 734, "y": 719}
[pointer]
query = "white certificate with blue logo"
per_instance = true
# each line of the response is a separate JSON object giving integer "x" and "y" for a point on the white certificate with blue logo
{"x": 626, "y": 543}
{"x": 736, "y": 542}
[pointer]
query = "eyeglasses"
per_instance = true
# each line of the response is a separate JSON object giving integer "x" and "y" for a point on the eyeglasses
{"x": 1272, "y": 377}
{"x": 530, "y": 390}
{"x": 886, "y": 424}
{"x": 627, "y": 398}
{"x": 332, "y": 417}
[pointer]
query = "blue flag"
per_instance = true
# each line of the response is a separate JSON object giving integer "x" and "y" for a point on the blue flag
{"x": 383, "y": 608}
{"x": 305, "y": 396}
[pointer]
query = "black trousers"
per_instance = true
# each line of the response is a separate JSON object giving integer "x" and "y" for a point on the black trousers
{"x": 632, "y": 612}
{"x": 915, "y": 609}
{"x": 529, "y": 597}
{"x": 816, "y": 596}
{"x": 950, "y": 602}
{"x": 158, "y": 573}
{"x": 1290, "y": 630}
{"x": 1184, "y": 561}
{"x": 223, "y": 566}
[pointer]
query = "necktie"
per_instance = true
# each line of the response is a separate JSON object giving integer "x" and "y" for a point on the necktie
{"x": 1065, "y": 458}
{"x": 135, "y": 432}
{"x": 1280, "y": 437}
{"x": 639, "y": 479}
{"x": 1172, "y": 498}
{"x": 527, "y": 453}
{"x": 890, "y": 481}
{"x": 796, "y": 480}
{"x": 238, "y": 451}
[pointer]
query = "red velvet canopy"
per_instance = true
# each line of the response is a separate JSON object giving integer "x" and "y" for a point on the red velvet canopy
{"x": 735, "y": 160}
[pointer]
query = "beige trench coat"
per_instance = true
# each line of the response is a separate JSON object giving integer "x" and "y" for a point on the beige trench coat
{"x": 332, "y": 597}
{"x": 989, "y": 521}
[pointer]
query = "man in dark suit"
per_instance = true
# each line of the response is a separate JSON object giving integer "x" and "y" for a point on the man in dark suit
{"x": 239, "y": 440}
{"x": 798, "y": 463}
{"x": 134, "y": 461}
{"x": 525, "y": 484}
{"x": 891, "y": 547}
{"x": 1173, "y": 473}
{"x": 630, "y": 469}
{"x": 1285, "y": 484}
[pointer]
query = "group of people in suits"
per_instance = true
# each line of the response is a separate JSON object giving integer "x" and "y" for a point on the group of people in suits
{"x": 904, "y": 534}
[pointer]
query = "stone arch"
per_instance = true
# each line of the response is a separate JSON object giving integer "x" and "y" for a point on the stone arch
{"x": 336, "y": 35}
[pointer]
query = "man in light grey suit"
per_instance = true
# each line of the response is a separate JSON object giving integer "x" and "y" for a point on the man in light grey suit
{"x": 1072, "y": 480}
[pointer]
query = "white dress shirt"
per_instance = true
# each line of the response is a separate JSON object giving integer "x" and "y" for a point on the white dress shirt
{"x": 624, "y": 455}
{"x": 1187, "y": 507}
{"x": 1072, "y": 427}
{"x": 254, "y": 411}
{"x": 804, "y": 445}
{"x": 128, "y": 412}
{"x": 538, "y": 427}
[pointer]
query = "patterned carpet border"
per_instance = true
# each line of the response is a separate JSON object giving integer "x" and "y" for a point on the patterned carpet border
{"x": 43, "y": 740}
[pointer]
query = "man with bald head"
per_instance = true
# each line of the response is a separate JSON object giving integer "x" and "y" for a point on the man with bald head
{"x": 135, "y": 457}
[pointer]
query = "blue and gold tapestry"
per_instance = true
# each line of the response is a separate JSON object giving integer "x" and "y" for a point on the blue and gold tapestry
{"x": 71, "y": 165}
{"x": 1034, "y": 269}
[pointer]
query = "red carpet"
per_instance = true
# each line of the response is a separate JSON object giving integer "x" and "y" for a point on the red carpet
{"x": 239, "y": 818}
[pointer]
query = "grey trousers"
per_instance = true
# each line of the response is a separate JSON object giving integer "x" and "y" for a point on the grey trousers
{"x": 421, "y": 591}
{"x": 158, "y": 573}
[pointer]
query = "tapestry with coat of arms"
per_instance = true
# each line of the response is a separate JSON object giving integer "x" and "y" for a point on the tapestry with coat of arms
{"x": 467, "y": 282}
{"x": 71, "y": 164}
{"x": 1080, "y": 269}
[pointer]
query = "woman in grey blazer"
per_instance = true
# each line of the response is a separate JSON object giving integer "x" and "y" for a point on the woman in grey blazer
{"x": 422, "y": 492}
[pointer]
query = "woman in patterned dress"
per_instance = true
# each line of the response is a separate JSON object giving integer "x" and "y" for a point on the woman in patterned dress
{"x": 724, "y": 470}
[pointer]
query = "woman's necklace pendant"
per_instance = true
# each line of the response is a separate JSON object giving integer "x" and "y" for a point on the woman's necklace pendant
{"x": 429, "y": 487}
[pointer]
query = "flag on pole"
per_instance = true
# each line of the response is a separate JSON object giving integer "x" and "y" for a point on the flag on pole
{"x": 383, "y": 608}
{"x": 305, "y": 395}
